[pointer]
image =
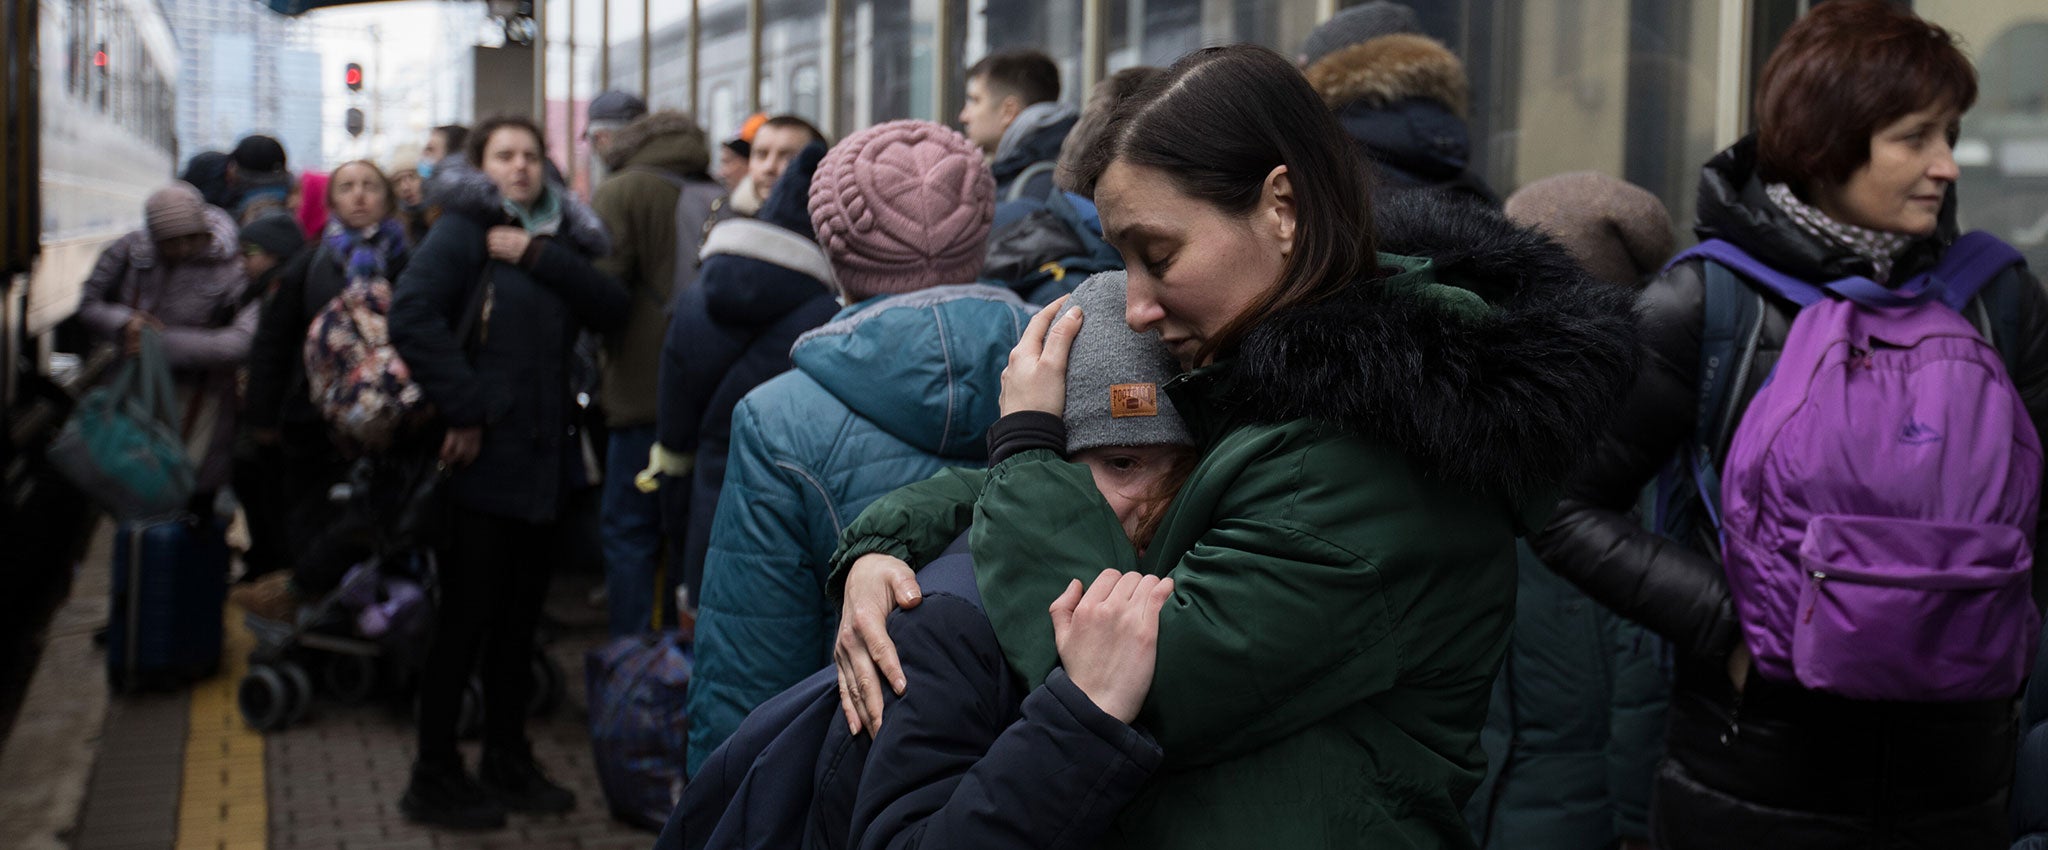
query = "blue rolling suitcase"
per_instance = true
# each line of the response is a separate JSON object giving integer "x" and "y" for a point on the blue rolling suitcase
{"x": 170, "y": 583}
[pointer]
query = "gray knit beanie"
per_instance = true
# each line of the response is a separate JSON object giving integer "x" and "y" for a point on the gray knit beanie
{"x": 1115, "y": 375}
{"x": 1357, "y": 25}
{"x": 173, "y": 211}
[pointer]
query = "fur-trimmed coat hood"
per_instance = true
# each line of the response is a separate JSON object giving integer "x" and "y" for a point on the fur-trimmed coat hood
{"x": 667, "y": 139}
{"x": 464, "y": 190}
{"x": 1392, "y": 68}
{"x": 1501, "y": 374}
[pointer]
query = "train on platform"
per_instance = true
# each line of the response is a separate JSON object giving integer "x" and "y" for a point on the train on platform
{"x": 90, "y": 96}
{"x": 87, "y": 130}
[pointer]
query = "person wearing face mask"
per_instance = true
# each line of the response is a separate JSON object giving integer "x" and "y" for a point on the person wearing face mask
{"x": 363, "y": 240}
{"x": 511, "y": 263}
{"x": 183, "y": 275}
{"x": 410, "y": 186}
{"x": 1851, "y": 173}
{"x": 1382, "y": 396}
{"x": 969, "y": 758}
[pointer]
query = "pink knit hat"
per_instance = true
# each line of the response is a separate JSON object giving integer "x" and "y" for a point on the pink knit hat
{"x": 903, "y": 206}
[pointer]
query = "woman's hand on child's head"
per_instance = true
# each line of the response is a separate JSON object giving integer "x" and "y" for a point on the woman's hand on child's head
{"x": 876, "y": 584}
{"x": 1036, "y": 378}
{"x": 1108, "y": 638}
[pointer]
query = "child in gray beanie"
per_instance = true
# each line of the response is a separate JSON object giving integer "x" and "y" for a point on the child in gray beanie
{"x": 1114, "y": 377}
{"x": 1061, "y": 762}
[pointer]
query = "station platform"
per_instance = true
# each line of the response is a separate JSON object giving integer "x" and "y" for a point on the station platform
{"x": 86, "y": 770}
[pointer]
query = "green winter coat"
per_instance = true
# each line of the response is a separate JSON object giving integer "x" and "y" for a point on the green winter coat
{"x": 1343, "y": 553}
{"x": 639, "y": 209}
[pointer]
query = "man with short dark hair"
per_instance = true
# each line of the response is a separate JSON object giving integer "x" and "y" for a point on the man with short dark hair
{"x": 1015, "y": 116}
{"x": 777, "y": 141}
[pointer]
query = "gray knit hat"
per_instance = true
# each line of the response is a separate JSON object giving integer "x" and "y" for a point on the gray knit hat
{"x": 173, "y": 211}
{"x": 1356, "y": 25}
{"x": 1114, "y": 376}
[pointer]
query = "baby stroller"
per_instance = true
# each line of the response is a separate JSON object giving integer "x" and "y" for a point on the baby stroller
{"x": 368, "y": 635}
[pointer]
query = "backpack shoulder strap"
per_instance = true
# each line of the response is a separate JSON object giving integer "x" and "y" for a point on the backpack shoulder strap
{"x": 1999, "y": 304}
{"x": 1024, "y": 178}
{"x": 1757, "y": 272}
{"x": 1732, "y": 325}
{"x": 1972, "y": 264}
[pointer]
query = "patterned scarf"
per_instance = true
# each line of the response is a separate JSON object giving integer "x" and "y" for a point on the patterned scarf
{"x": 366, "y": 253}
{"x": 1881, "y": 248}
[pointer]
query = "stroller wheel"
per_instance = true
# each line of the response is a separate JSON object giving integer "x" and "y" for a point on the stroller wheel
{"x": 469, "y": 724}
{"x": 301, "y": 686}
{"x": 350, "y": 679}
{"x": 265, "y": 699}
{"x": 548, "y": 687}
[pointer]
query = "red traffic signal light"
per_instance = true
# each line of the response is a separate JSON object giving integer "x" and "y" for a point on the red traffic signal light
{"x": 353, "y": 76}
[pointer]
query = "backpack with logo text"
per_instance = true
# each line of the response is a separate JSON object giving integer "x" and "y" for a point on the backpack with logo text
{"x": 1877, "y": 504}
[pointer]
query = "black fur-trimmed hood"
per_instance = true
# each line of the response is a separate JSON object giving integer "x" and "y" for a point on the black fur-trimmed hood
{"x": 460, "y": 188}
{"x": 1507, "y": 396}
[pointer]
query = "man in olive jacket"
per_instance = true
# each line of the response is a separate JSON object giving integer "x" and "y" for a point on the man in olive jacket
{"x": 654, "y": 205}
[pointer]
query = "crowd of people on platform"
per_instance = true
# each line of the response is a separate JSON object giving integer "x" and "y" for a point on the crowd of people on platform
{"x": 1220, "y": 464}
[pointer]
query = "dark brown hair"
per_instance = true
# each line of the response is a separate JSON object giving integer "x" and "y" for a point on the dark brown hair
{"x": 1843, "y": 72}
{"x": 481, "y": 137}
{"x": 454, "y": 137}
{"x": 1216, "y": 124}
{"x": 1178, "y": 471}
{"x": 792, "y": 122}
{"x": 1028, "y": 74}
{"x": 390, "y": 191}
{"x": 1087, "y": 132}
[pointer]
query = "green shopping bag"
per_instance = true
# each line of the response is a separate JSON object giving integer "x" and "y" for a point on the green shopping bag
{"x": 121, "y": 445}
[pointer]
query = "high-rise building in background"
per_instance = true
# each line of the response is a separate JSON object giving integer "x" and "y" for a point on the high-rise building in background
{"x": 245, "y": 69}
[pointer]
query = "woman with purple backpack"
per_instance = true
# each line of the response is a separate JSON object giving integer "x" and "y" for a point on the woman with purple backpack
{"x": 1844, "y": 399}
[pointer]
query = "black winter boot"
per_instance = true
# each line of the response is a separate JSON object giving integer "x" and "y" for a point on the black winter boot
{"x": 440, "y": 795}
{"x": 511, "y": 775}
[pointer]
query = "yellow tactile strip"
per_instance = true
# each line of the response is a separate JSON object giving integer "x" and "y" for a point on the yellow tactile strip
{"x": 222, "y": 803}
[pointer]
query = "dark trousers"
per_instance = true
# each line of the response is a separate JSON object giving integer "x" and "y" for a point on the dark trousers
{"x": 284, "y": 492}
{"x": 494, "y": 577}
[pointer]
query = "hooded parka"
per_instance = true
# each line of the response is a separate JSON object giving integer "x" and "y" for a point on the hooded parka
{"x": 1402, "y": 98}
{"x": 1343, "y": 553}
{"x": 639, "y": 211}
{"x": 209, "y": 318}
{"x": 890, "y": 391}
{"x": 512, "y": 377}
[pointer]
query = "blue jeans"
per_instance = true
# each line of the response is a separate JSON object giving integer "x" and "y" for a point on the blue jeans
{"x": 631, "y": 527}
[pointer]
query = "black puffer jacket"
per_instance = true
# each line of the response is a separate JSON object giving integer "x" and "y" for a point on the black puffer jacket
{"x": 516, "y": 385}
{"x": 1779, "y": 765}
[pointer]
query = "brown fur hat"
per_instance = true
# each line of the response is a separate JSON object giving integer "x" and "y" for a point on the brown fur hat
{"x": 1390, "y": 68}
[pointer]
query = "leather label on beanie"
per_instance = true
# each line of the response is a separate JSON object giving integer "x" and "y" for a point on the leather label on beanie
{"x": 1133, "y": 400}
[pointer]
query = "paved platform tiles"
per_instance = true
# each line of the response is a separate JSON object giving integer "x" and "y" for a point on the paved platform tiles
{"x": 182, "y": 771}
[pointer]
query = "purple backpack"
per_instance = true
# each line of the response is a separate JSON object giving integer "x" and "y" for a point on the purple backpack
{"x": 1879, "y": 497}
